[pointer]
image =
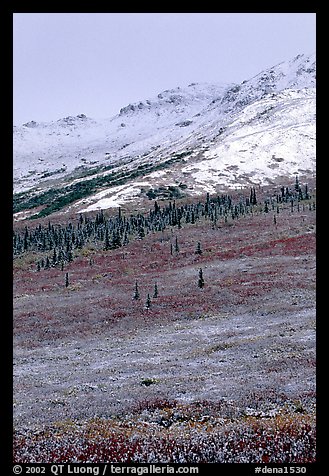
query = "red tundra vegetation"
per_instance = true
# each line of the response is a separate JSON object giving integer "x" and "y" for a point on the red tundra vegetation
{"x": 222, "y": 373}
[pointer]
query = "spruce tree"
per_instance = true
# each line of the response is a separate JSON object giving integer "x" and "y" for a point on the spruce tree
{"x": 148, "y": 302}
{"x": 70, "y": 256}
{"x": 253, "y": 199}
{"x": 201, "y": 280}
{"x": 107, "y": 244}
{"x": 141, "y": 232}
{"x": 156, "y": 208}
{"x": 67, "y": 280}
{"x": 54, "y": 260}
{"x": 125, "y": 239}
{"x": 155, "y": 294}
{"x": 136, "y": 293}
{"x": 25, "y": 242}
{"x": 198, "y": 250}
{"x": 116, "y": 240}
{"x": 176, "y": 245}
{"x": 306, "y": 195}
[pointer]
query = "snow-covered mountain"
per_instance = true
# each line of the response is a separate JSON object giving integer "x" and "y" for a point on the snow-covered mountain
{"x": 203, "y": 136}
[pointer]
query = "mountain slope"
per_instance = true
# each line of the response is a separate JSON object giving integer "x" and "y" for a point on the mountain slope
{"x": 203, "y": 137}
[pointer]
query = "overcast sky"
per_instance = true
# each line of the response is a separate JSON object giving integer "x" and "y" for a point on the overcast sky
{"x": 96, "y": 63}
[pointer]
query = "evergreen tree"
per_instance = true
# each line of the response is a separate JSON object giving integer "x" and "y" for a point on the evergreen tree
{"x": 155, "y": 294}
{"x": 116, "y": 240}
{"x": 54, "y": 260}
{"x": 201, "y": 280}
{"x": 198, "y": 250}
{"x": 70, "y": 256}
{"x": 26, "y": 235}
{"x": 67, "y": 280}
{"x": 306, "y": 195}
{"x": 125, "y": 239}
{"x": 141, "y": 232}
{"x": 176, "y": 245}
{"x": 136, "y": 293}
{"x": 107, "y": 244}
{"x": 156, "y": 208}
{"x": 207, "y": 205}
{"x": 253, "y": 199}
{"x": 148, "y": 302}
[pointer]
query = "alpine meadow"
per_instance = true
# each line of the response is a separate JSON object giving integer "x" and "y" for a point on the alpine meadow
{"x": 164, "y": 278}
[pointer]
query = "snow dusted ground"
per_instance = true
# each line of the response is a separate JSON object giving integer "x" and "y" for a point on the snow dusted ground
{"x": 254, "y": 149}
{"x": 217, "y": 357}
{"x": 85, "y": 352}
{"x": 80, "y": 141}
{"x": 95, "y": 372}
{"x": 255, "y": 146}
{"x": 230, "y": 135}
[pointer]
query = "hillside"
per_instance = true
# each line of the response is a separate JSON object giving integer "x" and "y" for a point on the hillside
{"x": 203, "y": 137}
{"x": 164, "y": 278}
{"x": 104, "y": 375}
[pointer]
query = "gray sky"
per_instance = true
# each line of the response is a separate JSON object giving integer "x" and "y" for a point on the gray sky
{"x": 96, "y": 63}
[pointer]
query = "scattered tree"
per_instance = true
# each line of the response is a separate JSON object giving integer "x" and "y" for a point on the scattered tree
{"x": 176, "y": 245}
{"x": 201, "y": 279}
{"x": 148, "y": 302}
{"x": 253, "y": 198}
{"x": 136, "y": 293}
{"x": 155, "y": 294}
{"x": 198, "y": 250}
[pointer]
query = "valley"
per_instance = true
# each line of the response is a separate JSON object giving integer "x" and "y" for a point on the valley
{"x": 164, "y": 278}
{"x": 95, "y": 366}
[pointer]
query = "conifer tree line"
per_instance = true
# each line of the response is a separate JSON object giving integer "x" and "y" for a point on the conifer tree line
{"x": 59, "y": 242}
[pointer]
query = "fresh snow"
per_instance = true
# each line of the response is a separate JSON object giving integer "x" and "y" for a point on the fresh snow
{"x": 119, "y": 195}
{"x": 231, "y": 135}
